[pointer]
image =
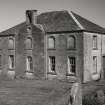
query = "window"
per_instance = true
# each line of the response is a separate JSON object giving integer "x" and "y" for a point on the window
{"x": 94, "y": 42}
{"x": 94, "y": 64}
{"x": 51, "y": 42}
{"x": 52, "y": 64}
{"x": 71, "y": 65}
{"x": 71, "y": 42}
{"x": 11, "y": 43}
{"x": 11, "y": 62}
{"x": 28, "y": 43}
{"x": 29, "y": 63}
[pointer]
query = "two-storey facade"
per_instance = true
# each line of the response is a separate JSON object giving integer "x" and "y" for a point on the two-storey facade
{"x": 58, "y": 44}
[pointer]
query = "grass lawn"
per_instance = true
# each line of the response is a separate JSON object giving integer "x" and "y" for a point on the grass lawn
{"x": 34, "y": 92}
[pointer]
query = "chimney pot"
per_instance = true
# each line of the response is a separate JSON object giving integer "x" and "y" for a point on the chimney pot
{"x": 31, "y": 17}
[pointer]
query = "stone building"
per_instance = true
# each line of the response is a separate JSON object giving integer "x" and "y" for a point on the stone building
{"x": 57, "y": 44}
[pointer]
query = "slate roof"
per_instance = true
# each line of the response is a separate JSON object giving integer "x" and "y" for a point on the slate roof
{"x": 88, "y": 25}
{"x": 59, "y": 21}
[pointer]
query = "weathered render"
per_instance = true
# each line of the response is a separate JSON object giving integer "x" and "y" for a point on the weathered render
{"x": 58, "y": 59}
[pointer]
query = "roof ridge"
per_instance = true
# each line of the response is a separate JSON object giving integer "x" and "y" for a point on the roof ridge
{"x": 76, "y": 20}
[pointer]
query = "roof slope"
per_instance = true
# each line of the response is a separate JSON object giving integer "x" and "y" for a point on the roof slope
{"x": 57, "y": 21}
{"x": 13, "y": 30}
{"x": 88, "y": 25}
{"x": 60, "y": 21}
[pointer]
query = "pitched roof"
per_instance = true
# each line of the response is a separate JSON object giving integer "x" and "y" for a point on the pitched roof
{"x": 88, "y": 25}
{"x": 13, "y": 30}
{"x": 59, "y": 21}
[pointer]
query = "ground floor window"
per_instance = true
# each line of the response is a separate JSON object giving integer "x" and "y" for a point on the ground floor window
{"x": 94, "y": 64}
{"x": 71, "y": 65}
{"x": 29, "y": 63}
{"x": 52, "y": 64}
{"x": 11, "y": 62}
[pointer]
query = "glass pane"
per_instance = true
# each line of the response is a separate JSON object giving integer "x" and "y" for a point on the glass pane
{"x": 28, "y": 43}
{"x": 51, "y": 42}
{"x": 11, "y": 62}
{"x": 71, "y": 42}
{"x": 11, "y": 43}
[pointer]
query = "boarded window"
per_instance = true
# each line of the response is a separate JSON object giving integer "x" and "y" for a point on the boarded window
{"x": 51, "y": 42}
{"x": 71, "y": 65}
{"x": 71, "y": 42}
{"x": 94, "y": 42}
{"x": 94, "y": 64}
{"x": 29, "y": 63}
{"x": 11, "y": 62}
{"x": 11, "y": 43}
{"x": 52, "y": 64}
{"x": 28, "y": 43}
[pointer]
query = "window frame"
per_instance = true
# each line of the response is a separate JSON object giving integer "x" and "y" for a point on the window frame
{"x": 29, "y": 63}
{"x": 12, "y": 67}
{"x": 95, "y": 42}
{"x": 13, "y": 39}
{"x": 74, "y": 42}
{"x": 69, "y": 72}
{"x": 94, "y": 65}
{"x": 30, "y": 38}
{"x": 49, "y": 64}
{"x": 52, "y": 37}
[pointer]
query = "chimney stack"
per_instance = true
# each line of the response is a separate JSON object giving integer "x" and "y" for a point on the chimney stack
{"x": 31, "y": 17}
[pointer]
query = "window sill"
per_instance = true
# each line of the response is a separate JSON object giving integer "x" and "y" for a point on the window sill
{"x": 11, "y": 49}
{"x": 51, "y": 49}
{"x": 95, "y": 48}
{"x": 71, "y": 48}
{"x": 52, "y": 73}
{"x": 11, "y": 69}
{"x": 29, "y": 49}
{"x": 68, "y": 74}
{"x": 29, "y": 71}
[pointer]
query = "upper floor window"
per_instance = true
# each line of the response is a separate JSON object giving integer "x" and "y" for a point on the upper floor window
{"x": 28, "y": 43}
{"x": 51, "y": 42}
{"x": 94, "y": 42}
{"x": 71, "y": 42}
{"x": 11, "y": 43}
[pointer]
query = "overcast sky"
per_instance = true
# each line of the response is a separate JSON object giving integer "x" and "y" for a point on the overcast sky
{"x": 12, "y": 12}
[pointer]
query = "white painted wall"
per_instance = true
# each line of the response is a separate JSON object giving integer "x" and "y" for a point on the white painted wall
{"x": 88, "y": 56}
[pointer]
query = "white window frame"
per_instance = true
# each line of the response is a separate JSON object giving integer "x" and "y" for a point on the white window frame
{"x": 74, "y": 42}
{"x": 10, "y": 65}
{"x": 28, "y": 63}
{"x": 71, "y": 64}
{"x": 31, "y": 42}
{"x": 13, "y": 39}
{"x": 51, "y": 38}
{"x": 50, "y": 63}
{"x": 94, "y": 42}
{"x": 94, "y": 64}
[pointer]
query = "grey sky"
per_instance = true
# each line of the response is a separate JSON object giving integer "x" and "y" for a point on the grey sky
{"x": 12, "y": 12}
